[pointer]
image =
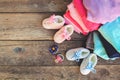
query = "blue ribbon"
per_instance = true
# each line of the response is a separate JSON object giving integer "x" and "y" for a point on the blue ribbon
{"x": 77, "y": 55}
{"x": 90, "y": 67}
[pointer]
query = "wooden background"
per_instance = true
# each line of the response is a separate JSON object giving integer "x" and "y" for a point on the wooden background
{"x": 20, "y": 27}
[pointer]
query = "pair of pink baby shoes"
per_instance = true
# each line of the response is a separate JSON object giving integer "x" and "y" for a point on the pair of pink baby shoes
{"x": 57, "y": 22}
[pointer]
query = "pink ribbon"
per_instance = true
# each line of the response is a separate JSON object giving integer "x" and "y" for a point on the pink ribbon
{"x": 66, "y": 35}
{"x": 52, "y": 18}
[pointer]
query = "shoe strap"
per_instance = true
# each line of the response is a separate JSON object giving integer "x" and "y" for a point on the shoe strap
{"x": 77, "y": 55}
{"x": 66, "y": 35}
{"x": 90, "y": 67}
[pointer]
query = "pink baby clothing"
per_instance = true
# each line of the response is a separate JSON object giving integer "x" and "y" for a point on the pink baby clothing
{"x": 75, "y": 15}
{"x": 71, "y": 21}
{"x": 78, "y": 4}
{"x": 102, "y": 11}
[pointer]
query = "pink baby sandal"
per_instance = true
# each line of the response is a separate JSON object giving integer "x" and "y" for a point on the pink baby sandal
{"x": 53, "y": 22}
{"x": 63, "y": 34}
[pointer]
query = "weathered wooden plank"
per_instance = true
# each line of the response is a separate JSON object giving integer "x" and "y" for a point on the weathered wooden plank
{"x": 104, "y": 72}
{"x": 33, "y": 5}
{"x": 36, "y": 53}
{"x": 26, "y": 26}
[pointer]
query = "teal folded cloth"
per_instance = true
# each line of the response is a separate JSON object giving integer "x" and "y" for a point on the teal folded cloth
{"x": 99, "y": 48}
{"x": 111, "y": 32}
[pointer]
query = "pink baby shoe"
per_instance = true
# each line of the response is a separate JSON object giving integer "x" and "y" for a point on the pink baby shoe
{"x": 63, "y": 34}
{"x": 53, "y": 22}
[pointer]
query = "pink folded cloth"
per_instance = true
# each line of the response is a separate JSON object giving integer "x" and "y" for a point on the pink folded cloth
{"x": 102, "y": 11}
{"x": 71, "y": 21}
{"x": 83, "y": 13}
{"x": 75, "y": 15}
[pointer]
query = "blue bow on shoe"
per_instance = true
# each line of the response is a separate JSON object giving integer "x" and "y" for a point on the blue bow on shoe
{"x": 77, "y": 55}
{"x": 90, "y": 67}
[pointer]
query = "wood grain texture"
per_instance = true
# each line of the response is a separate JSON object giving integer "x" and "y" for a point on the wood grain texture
{"x": 33, "y": 5}
{"x": 36, "y": 53}
{"x": 27, "y": 26}
{"x": 104, "y": 72}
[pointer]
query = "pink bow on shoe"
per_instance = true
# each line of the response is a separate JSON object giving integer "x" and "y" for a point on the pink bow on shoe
{"x": 66, "y": 35}
{"x": 52, "y": 18}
